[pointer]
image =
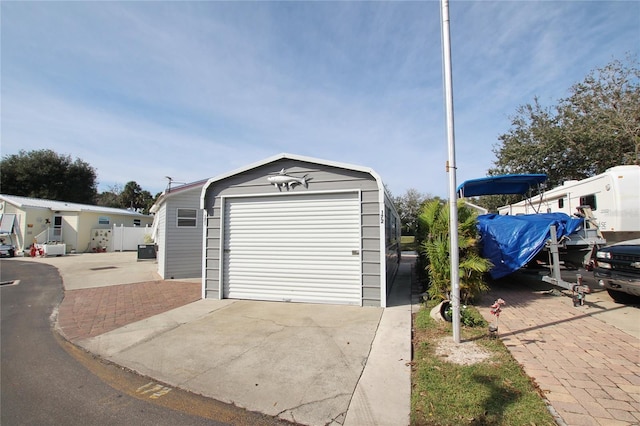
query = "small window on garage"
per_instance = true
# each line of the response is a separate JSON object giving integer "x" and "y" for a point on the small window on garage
{"x": 103, "y": 220}
{"x": 589, "y": 200}
{"x": 561, "y": 203}
{"x": 136, "y": 222}
{"x": 187, "y": 218}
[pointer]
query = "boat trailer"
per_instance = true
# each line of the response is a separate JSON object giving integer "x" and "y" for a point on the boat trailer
{"x": 587, "y": 239}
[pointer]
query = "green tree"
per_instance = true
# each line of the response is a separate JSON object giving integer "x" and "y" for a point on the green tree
{"x": 110, "y": 198}
{"x": 48, "y": 175}
{"x": 595, "y": 128}
{"x": 133, "y": 196}
{"x": 433, "y": 235}
{"x": 408, "y": 207}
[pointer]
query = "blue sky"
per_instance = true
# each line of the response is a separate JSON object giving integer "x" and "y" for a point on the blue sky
{"x": 192, "y": 90}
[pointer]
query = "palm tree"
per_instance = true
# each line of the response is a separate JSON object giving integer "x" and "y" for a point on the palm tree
{"x": 434, "y": 247}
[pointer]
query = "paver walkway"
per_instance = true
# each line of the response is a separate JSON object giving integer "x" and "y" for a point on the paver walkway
{"x": 588, "y": 370}
{"x": 93, "y": 311}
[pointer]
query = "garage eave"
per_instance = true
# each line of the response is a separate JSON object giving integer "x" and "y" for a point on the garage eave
{"x": 287, "y": 157}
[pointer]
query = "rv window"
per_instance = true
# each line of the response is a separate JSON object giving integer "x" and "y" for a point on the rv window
{"x": 589, "y": 200}
{"x": 187, "y": 218}
{"x": 561, "y": 203}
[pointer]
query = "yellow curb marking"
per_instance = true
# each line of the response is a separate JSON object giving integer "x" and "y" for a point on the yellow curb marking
{"x": 156, "y": 390}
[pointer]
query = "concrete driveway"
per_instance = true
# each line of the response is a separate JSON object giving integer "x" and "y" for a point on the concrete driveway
{"x": 90, "y": 270}
{"x": 306, "y": 363}
{"x": 299, "y": 362}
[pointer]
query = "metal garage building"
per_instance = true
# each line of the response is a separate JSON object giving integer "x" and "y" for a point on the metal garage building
{"x": 177, "y": 231}
{"x": 298, "y": 229}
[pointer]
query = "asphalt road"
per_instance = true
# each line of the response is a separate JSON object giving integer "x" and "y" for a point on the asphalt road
{"x": 46, "y": 380}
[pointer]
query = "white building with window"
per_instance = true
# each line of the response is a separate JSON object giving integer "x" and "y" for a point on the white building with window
{"x": 28, "y": 220}
{"x": 177, "y": 231}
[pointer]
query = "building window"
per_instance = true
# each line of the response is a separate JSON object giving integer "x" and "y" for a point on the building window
{"x": 187, "y": 218}
{"x": 561, "y": 203}
{"x": 136, "y": 222}
{"x": 103, "y": 220}
{"x": 589, "y": 200}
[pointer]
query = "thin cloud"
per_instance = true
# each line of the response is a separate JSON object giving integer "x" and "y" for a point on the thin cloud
{"x": 196, "y": 89}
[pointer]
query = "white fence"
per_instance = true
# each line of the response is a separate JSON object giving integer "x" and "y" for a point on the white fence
{"x": 127, "y": 238}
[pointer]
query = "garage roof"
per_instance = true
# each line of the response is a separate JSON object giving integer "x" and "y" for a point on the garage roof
{"x": 290, "y": 157}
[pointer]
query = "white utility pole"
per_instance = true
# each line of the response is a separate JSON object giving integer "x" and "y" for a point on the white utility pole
{"x": 451, "y": 169}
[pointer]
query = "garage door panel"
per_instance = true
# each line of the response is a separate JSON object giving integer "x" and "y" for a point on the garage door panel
{"x": 295, "y": 284}
{"x": 293, "y": 248}
{"x": 276, "y": 271}
{"x": 292, "y": 263}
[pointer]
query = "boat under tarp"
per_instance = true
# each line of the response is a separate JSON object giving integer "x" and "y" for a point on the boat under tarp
{"x": 511, "y": 242}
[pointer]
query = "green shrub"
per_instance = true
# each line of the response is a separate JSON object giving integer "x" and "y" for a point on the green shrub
{"x": 433, "y": 235}
{"x": 469, "y": 316}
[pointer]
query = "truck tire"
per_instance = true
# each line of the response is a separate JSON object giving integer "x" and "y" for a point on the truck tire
{"x": 621, "y": 297}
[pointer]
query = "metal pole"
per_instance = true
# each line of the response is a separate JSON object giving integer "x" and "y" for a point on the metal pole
{"x": 451, "y": 169}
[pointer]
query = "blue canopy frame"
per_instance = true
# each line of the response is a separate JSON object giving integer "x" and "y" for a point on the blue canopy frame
{"x": 503, "y": 184}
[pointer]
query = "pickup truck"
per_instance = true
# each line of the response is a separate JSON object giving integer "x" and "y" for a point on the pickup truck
{"x": 617, "y": 269}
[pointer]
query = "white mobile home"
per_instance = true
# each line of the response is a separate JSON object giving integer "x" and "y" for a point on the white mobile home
{"x": 31, "y": 220}
{"x": 614, "y": 198}
{"x": 177, "y": 231}
{"x": 298, "y": 229}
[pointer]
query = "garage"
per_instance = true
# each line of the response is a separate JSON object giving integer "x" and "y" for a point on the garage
{"x": 302, "y": 248}
{"x": 299, "y": 229}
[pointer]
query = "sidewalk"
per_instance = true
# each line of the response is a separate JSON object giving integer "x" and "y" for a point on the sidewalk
{"x": 589, "y": 371}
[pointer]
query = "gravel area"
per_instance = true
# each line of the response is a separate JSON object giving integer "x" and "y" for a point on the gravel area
{"x": 463, "y": 353}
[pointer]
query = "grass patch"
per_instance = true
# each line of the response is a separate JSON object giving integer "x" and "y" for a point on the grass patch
{"x": 492, "y": 392}
{"x": 408, "y": 243}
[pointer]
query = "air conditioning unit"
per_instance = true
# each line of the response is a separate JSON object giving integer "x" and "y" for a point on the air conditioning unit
{"x": 146, "y": 251}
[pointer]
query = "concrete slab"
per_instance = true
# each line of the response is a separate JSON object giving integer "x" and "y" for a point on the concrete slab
{"x": 299, "y": 362}
{"x": 383, "y": 394}
{"x": 311, "y": 364}
{"x": 123, "y": 338}
{"x": 89, "y": 270}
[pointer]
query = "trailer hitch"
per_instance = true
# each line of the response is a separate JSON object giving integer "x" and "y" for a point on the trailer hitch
{"x": 579, "y": 291}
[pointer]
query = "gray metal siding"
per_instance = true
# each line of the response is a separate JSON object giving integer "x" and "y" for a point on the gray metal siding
{"x": 161, "y": 239}
{"x": 392, "y": 233}
{"x": 321, "y": 178}
{"x": 371, "y": 268}
{"x": 183, "y": 247}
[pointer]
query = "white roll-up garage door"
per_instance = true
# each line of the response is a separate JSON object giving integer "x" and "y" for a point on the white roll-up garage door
{"x": 298, "y": 248}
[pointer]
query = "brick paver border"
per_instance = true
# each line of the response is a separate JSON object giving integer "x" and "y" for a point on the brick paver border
{"x": 90, "y": 312}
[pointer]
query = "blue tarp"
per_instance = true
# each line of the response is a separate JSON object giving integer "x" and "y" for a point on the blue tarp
{"x": 510, "y": 242}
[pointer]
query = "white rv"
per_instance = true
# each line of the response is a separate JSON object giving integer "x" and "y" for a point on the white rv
{"x": 613, "y": 196}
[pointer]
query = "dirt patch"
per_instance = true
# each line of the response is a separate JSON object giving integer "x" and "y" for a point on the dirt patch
{"x": 463, "y": 353}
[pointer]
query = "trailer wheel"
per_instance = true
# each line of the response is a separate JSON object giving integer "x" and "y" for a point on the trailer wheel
{"x": 621, "y": 297}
